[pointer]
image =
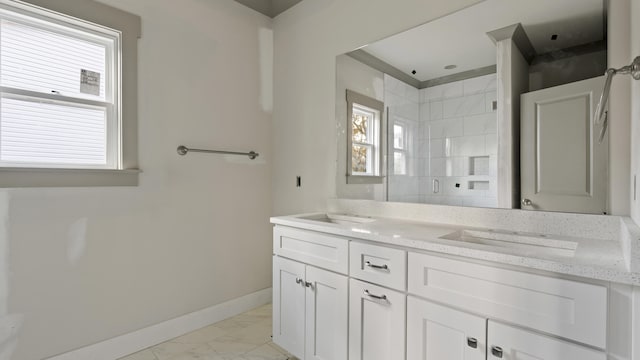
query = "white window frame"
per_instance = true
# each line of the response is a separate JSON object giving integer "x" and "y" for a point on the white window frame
{"x": 402, "y": 150}
{"x": 108, "y": 38}
{"x": 124, "y": 29}
{"x": 358, "y": 102}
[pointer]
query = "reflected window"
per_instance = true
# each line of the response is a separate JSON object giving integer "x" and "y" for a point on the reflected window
{"x": 365, "y": 140}
{"x": 399, "y": 149}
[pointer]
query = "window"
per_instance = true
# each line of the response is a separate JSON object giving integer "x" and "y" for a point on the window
{"x": 365, "y": 139}
{"x": 61, "y": 92}
{"x": 399, "y": 149}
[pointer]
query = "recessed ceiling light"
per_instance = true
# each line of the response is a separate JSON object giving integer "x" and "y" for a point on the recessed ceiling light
{"x": 450, "y": 67}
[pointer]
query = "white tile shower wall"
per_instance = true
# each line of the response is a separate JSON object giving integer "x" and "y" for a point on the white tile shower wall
{"x": 403, "y": 103}
{"x": 458, "y": 122}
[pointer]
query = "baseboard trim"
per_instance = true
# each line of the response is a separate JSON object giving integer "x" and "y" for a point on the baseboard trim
{"x": 130, "y": 343}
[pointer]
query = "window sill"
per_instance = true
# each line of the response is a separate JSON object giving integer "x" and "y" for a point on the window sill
{"x": 36, "y": 177}
{"x": 364, "y": 179}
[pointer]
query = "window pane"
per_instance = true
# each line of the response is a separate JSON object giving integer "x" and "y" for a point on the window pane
{"x": 52, "y": 133}
{"x": 360, "y": 124}
{"x": 44, "y": 61}
{"x": 361, "y": 159}
{"x": 399, "y": 163}
{"x": 398, "y": 137}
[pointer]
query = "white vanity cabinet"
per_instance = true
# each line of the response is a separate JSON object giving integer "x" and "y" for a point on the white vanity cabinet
{"x": 344, "y": 298}
{"x": 310, "y": 305}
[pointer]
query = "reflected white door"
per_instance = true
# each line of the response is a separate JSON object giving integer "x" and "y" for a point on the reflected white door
{"x": 563, "y": 167}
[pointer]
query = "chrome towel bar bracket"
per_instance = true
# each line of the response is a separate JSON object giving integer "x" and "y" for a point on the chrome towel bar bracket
{"x": 183, "y": 150}
{"x": 601, "y": 115}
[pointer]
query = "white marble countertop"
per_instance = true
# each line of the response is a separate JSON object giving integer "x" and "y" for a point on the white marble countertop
{"x": 600, "y": 259}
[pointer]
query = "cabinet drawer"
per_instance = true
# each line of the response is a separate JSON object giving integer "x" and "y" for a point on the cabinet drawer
{"x": 570, "y": 309}
{"x": 378, "y": 264}
{"x": 507, "y": 342}
{"x": 321, "y": 250}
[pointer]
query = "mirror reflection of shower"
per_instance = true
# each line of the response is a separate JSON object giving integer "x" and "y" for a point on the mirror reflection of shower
{"x": 442, "y": 138}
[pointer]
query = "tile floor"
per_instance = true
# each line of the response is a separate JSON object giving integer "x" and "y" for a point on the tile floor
{"x": 243, "y": 337}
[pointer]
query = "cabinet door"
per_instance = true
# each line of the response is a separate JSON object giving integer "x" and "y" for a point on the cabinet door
{"x": 288, "y": 305}
{"x": 326, "y": 315}
{"x": 436, "y": 332}
{"x": 376, "y": 322}
{"x": 506, "y": 342}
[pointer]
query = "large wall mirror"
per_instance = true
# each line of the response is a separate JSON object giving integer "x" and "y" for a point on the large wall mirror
{"x": 491, "y": 106}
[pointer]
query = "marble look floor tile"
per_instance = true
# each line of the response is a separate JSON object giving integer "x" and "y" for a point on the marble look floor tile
{"x": 253, "y": 334}
{"x": 202, "y": 352}
{"x": 142, "y": 355}
{"x": 281, "y": 350}
{"x": 230, "y": 347}
{"x": 243, "y": 337}
{"x": 264, "y": 352}
{"x": 201, "y": 336}
{"x": 169, "y": 349}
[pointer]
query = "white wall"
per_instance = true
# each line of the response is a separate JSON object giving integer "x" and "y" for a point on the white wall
{"x": 84, "y": 265}
{"x": 307, "y": 39}
{"x": 635, "y": 118}
{"x": 618, "y": 55}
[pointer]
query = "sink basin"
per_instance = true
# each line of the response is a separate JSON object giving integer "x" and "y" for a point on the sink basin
{"x": 339, "y": 219}
{"x": 528, "y": 242}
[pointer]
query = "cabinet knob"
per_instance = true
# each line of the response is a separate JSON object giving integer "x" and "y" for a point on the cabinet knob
{"x": 309, "y": 285}
{"x": 299, "y": 281}
{"x": 472, "y": 342}
{"x": 496, "y": 351}
{"x": 526, "y": 202}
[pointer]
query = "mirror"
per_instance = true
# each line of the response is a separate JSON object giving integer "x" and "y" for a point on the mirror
{"x": 491, "y": 106}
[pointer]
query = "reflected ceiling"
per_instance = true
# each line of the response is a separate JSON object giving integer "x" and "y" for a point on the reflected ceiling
{"x": 464, "y": 33}
{"x": 271, "y": 8}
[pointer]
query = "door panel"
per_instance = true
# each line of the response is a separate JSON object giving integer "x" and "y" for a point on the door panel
{"x": 289, "y": 305}
{"x": 437, "y": 332}
{"x": 376, "y": 322}
{"x": 326, "y": 318}
{"x": 563, "y": 167}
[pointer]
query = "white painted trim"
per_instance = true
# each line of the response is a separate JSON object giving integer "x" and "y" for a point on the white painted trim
{"x": 130, "y": 343}
{"x": 635, "y": 332}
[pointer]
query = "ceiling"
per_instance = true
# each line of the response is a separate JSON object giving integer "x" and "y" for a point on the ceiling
{"x": 460, "y": 39}
{"x": 271, "y": 8}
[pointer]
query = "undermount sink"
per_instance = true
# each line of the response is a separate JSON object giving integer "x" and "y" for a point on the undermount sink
{"x": 339, "y": 219}
{"x": 528, "y": 242}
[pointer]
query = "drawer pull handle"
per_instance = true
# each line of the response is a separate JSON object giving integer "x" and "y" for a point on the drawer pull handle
{"x": 472, "y": 342}
{"x": 377, "y": 297}
{"x": 496, "y": 351}
{"x": 374, "y": 266}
